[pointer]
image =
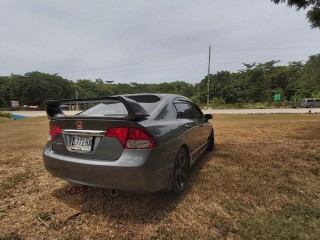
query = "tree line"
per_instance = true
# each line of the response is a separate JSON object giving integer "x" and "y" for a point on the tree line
{"x": 256, "y": 82}
{"x": 313, "y": 6}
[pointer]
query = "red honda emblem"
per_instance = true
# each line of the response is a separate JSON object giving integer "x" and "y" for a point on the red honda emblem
{"x": 79, "y": 125}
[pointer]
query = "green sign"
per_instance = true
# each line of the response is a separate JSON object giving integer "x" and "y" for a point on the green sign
{"x": 277, "y": 96}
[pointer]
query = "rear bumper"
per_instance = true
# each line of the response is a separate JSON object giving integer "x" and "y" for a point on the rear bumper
{"x": 135, "y": 170}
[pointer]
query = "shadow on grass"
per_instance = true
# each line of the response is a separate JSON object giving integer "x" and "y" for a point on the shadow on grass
{"x": 129, "y": 207}
{"x": 126, "y": 207}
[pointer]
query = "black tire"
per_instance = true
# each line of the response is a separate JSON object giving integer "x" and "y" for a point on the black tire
{"x": 180, "y": 172}
{"x": 211, "y": 142}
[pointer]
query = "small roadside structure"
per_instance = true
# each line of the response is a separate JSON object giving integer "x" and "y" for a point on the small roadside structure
{"x": 31, "y": 107}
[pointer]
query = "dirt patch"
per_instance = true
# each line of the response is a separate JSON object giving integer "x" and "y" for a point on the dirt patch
{"x": 261, "y": 182}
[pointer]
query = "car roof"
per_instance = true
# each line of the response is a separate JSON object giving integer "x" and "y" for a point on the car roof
{"x": 159, "y": 95}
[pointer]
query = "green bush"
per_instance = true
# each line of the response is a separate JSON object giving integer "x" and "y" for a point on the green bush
{"x": 7, "y": 115}
{"x": 257, "y": 105}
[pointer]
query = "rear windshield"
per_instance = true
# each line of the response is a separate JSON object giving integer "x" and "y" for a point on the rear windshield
{"x": 116, "y": 108}
{"x": 112, "y": 109}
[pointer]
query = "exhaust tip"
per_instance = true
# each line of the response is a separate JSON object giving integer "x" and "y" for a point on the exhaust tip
{"x": 114, "y": 192}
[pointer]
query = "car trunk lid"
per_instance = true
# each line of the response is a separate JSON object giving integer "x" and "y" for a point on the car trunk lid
{"x": 86, "y": 138}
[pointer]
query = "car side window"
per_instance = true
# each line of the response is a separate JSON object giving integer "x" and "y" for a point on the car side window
{"x": 196, "y": 111}
{"x": 183, "y": 110}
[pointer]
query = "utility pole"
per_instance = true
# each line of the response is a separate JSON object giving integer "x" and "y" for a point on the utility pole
{"x": 208, "y": 83}
{"x": 77, "y": 98}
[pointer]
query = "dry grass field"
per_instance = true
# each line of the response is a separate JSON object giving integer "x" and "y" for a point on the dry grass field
{"x": 261, "y": 182}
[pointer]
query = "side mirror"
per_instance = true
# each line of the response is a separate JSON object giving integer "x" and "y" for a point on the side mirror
{"x": 208, "y": 116}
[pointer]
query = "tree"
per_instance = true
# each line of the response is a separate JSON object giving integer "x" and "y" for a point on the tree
{"x": 313, "y": 14}
{"x": 312, "y": 76}
{"x": 257, "y": 82}
{"x": 33, "y": 88}
{"x": 294, "y": 76}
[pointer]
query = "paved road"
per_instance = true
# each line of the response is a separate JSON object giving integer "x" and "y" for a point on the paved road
{"x": 262, "y": 111}
{"x": 213, "y": 111}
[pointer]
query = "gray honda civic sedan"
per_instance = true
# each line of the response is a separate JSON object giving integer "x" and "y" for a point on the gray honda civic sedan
{"x": 135, "y": 142}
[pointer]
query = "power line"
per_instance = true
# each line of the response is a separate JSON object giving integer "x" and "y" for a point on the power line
{"x": 126, "y": 73}
{"x": 263, "y": 49}
{"x": 161, "y": 68}
{"x": 183, "y": 56}
{"x": 158, "y": 68}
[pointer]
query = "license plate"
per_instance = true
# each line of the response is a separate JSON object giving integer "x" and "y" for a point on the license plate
{"x": 81, "y": 143}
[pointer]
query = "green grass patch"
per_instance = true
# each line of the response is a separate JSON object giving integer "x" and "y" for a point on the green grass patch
{"x": 5, "y": 114}
{"x": 291, "y": 222}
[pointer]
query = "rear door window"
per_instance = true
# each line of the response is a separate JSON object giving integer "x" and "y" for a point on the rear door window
{"x": 183, "y": 110}
{"x": 188, "y": 110}
{"x": 196, "y": 112}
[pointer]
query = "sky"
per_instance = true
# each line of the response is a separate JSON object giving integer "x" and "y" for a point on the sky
{"x": 149, "y": 41}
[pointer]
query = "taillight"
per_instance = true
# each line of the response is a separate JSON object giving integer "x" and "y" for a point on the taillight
{"x": 53, "y": 132}
{"x": 120, "y": 133}
{"x": 132, "y": 138}
{"x": 138, "y": 138}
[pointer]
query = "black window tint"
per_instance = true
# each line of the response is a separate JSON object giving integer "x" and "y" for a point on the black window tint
{"x": 148, "y": 102}
{"x": 145, "y": 98}
{"x": 310, "y": 100}
{"x": 149, "y": 107}
{"x": 196, "y": 112}
{"x": 183, "y": 110}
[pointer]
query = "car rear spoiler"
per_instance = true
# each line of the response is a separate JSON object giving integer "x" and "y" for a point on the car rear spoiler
{"x": 135, "y": 111}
